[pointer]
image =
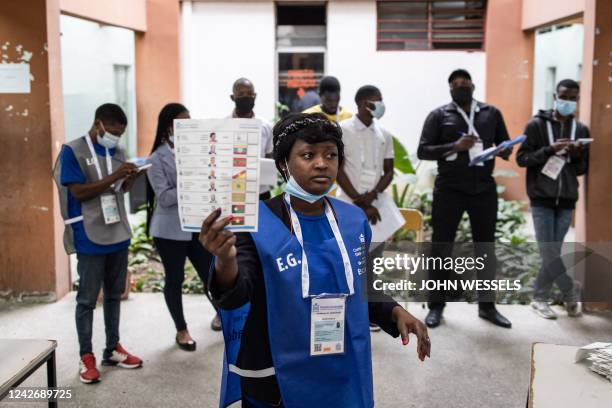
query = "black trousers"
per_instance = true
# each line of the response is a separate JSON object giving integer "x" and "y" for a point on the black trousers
{"x": 173, "y": 255}
{"x": 447, "y": 210}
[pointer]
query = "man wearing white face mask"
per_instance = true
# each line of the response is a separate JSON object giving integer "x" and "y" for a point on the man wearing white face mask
{"x": 555, "y": 155}
{"x": 368, "y": 165}
{"x": 92, "y": 177}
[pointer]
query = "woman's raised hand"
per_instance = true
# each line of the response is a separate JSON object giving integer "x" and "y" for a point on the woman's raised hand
{"x": 215, "y": 238}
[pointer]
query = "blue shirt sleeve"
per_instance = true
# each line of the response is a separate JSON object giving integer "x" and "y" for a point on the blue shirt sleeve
{"x": 71, "y": 171}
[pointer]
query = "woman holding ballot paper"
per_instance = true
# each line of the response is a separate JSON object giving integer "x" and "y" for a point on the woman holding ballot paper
{"x": 173, "y": 244}
{"x": 294, "y": 323}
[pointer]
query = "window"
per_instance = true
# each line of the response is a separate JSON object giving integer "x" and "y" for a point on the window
{"x": 301, "y": 26}
{"x": 301, "y": 43}
{"x": 430, "y": 25}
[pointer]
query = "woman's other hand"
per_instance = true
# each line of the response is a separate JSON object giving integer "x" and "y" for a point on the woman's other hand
{"x": 406, "y": 324}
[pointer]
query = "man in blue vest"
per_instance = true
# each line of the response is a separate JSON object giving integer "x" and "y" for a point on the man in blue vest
{"x": 92, "y": 177}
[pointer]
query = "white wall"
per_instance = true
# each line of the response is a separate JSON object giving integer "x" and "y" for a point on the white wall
{"x": 547, "y": 55}
{"x": 225, "y": 40}
{"x": 412, "y": 82}
{"x": 89, "y": 53}
{"x": 228, "y": 41}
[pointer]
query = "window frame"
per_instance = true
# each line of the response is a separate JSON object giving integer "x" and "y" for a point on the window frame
{"x": 430, "y": 31}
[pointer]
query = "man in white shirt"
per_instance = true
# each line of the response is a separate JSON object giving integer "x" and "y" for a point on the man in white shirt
{"x": 243, "y": 95}
{"x": 367, "y": 169}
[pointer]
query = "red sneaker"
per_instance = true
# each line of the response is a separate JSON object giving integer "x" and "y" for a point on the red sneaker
{"x": 88, "y": 373}
{"x": 122, "y": 358}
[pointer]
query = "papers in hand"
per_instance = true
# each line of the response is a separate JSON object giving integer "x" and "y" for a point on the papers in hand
{"x": 491, "y": 152}
{"x": 391, "y": 219}
{"x": 583, "y": 141}
{"x": 142, "y": 166}
{"x": 218, "y": 166}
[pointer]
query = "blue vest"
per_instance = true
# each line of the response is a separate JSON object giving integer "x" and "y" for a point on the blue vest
{"x": 338, "y": 380}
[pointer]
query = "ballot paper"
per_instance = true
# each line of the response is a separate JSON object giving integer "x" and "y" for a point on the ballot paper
{"x": 218, "y": 165}
{"x": 599, "y": 356}
{"x": 491, "y": 152}
{"x": 392, "y": 219}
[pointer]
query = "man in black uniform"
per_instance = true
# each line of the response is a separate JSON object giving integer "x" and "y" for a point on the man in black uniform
{"x": 453, "y": 134}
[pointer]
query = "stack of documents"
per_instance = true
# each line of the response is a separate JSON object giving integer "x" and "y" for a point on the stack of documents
{"x": 600, "y": 357}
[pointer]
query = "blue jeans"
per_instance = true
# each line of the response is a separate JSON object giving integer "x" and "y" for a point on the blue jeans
{"x": 96, "y": 271}
{"x": 551, "y": 225}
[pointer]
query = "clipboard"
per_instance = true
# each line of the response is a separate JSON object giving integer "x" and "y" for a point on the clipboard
{"x": 491, "y": 152}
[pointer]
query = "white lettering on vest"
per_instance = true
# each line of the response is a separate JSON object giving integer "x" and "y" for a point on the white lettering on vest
{"x": 290, "y": 260}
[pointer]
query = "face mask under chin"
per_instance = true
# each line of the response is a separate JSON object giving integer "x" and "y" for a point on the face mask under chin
{"x": 294, "y": 189}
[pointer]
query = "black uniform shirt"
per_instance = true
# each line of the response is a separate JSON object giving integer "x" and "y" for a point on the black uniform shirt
{"x": 442, "y": 128}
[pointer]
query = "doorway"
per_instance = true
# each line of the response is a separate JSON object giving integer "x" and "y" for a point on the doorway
{"x": 301, "y": 41}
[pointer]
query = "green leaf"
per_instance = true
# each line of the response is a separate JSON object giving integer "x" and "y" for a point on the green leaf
{"x": 401, "y": 158}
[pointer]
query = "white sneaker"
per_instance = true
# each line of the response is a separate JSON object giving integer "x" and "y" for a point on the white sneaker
{"x": 543, "y": 309}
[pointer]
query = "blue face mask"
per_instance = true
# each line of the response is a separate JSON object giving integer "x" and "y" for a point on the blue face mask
{"x": 379, "y": 109}
{"x": 565, "y": 108}
{"x": 107, "y": 140}
{"x": 294, "y": 189}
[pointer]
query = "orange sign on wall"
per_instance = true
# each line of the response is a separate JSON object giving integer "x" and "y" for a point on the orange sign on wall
{"x": 301, "y": 78}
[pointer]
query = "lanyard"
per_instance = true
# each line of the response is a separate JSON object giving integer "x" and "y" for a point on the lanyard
{"x": 94, "y": 157}
{"x": 348, "y": 269}
{"x": 551, "y": 135}
{"x": 470, "y": 120}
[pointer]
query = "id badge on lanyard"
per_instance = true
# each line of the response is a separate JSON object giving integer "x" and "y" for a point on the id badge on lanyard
{"x": 110, "y": 208}
{"x": 327, "y": 317}
{"x": 553, "y": 167}
{"x": 554, "y": 164}
{"x": 327, "y": 321}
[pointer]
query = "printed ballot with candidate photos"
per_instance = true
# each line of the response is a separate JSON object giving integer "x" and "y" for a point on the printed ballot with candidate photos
{"x": 217, "y": 162}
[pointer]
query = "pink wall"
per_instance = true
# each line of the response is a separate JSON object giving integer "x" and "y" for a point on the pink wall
{"x": 157, "y": 68}
{"x": 541, "y": 12}
{"x": 123, "y": 13}
{"x": 32, "y": 257}
{"x": 509, "y": 79}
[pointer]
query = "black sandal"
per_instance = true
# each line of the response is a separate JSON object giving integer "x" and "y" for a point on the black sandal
{"x": 189, "y": 346}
